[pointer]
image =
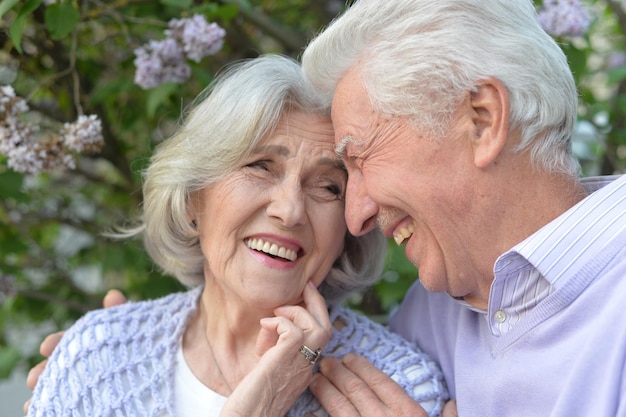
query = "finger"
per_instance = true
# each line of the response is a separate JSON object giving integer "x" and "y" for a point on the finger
{"x": 49, "y": 343}
{"x": 333, "y": 401}
{"x": 284, "y": 328}
{"x": 313, "y": 315}
{"x": 369, "y": 383}
{"x": 34, "y": 374}
{"x": 353, "y": 389}
{"x": 113, "y": 298}
{"x": 378, "y": 381}
{"x": 268, "y": 336}
{"x": 308, "y": 330}
{"x": 26, "y": 406}
{"x": 316, "y": 305}
{"x": 449, "y": 410}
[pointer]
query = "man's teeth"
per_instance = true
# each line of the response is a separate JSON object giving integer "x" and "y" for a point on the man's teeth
{"x": 272, "y": 249}
{"x": 404, "y": 233}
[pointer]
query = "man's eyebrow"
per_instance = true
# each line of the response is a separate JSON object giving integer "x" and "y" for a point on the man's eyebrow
{"x": 340, "y": 149}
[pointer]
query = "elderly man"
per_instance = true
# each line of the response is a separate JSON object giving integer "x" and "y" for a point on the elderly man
{"x": 454, "y": 119}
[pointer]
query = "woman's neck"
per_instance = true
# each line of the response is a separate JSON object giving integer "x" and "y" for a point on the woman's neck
{"x": 220, "y": 339}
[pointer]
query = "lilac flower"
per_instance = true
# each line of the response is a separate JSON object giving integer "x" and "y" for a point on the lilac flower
{"x": 616, "y": 60}
{"x": 33, "y": 158}
{"x": 197, "y": 37}
{"x": 10, "y": 105}
{"x": 159, "y": 62}
{"x": 84, "y": 135}
{"x": 163, "y": 61}
{"x": 7, "y": 286}
{"x": 14, "y": 133}
{"x": 28, "y": 151}
{"x": 564, "y": 17}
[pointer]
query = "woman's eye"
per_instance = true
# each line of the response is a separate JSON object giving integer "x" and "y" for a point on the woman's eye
{"x": 261, "y": 164}
{"x": 327, "y": 190}
{"x": 334, "y": 189}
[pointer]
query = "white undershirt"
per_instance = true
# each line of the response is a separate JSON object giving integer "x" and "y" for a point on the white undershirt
{"x": 191, "y": 397}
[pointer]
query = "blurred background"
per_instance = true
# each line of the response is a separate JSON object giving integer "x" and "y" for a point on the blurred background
{"x": 88, "y": 88}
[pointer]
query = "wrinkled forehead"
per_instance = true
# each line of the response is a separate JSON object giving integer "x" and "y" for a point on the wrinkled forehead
{"x": 307, "y": 127}
{"x": 351, "y": 112}
{"x": 301, "y": 133}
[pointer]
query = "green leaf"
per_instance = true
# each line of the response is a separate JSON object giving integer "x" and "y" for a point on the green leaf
{"x": 15, "y": 33}
{"x": 9, "y": 357}
{"x": 158, "y": 95}
{"x": 183, "y": 4}
{"x": 616, "y": 75}
{"x": 17, "y": 27}
{"x": 6, "y": 5}
{"x": 11, "y": 185}
{"x": 61, "y": 19}
{"x": 29, "y": 7}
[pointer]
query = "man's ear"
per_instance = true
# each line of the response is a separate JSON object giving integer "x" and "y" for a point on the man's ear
{"x": 490, "y": 104}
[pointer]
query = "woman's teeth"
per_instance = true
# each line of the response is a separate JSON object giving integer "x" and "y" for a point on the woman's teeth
{"x": 272, "y": 249}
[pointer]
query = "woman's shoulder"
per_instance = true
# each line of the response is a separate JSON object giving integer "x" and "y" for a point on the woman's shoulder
{"x": 402, "y": 360}
{"x": 143, "y": 323}
{"x": 113, "y": 352}
{"x": 147, "y": 313}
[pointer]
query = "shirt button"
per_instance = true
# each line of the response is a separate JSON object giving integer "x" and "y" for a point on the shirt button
{"x": 499, "y": 316}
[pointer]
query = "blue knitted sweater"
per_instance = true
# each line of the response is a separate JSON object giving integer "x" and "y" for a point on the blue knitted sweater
{"x": 120, "y": 361}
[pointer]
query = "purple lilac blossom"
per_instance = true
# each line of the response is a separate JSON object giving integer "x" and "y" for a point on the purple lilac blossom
{"x": 15, "y": 135}
{"x": 564, "y": 17}
{"x": 7, "y": 286}
{"x": 84, "y": 135}
{"x": 616, "y": 60}
{"x": 37, "y": 158}
{"x": 26, "y": 153}
{"x": 197, "y": 37}
{"x": 159, "y": 62}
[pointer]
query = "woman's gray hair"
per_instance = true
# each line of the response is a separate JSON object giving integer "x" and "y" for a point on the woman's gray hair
{"x": 419, "y": 58}
{"x": 242, "y": 106}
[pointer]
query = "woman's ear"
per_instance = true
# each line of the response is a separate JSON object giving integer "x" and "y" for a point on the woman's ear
{"x": 192, "y": 210}
{"x": 489, "y": 101}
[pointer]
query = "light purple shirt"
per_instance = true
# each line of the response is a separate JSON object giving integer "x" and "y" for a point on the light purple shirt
{"x": 553, "y": 341}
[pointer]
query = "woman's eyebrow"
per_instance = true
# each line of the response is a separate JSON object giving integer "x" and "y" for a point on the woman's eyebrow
{"x": 335, "y": 163}
{"x": 274, "y": 149}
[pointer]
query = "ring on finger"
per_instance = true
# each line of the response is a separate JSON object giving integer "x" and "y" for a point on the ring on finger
{"x": 311, "y": 355}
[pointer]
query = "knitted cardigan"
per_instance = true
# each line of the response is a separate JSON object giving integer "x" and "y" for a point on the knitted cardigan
{"x": 121, "y": 361}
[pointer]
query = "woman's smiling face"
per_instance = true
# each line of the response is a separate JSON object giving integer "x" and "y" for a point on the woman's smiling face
{"x": 277, "y": 221}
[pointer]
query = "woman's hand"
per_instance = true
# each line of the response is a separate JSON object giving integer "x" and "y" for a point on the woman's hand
{"x": 282, "y": 373}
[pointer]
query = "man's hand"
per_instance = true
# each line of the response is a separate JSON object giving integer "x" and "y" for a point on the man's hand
{"x": 355, "y": 387}
{"x": 111, "y": 299}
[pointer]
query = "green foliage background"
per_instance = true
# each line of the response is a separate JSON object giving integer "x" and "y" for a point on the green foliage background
{"x": 74, "y": 56}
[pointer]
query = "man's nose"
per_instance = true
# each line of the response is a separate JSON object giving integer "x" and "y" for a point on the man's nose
{"x": 361, "y": 210}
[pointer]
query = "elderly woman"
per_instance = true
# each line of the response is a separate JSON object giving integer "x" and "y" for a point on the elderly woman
{"x": 245, "y": 206}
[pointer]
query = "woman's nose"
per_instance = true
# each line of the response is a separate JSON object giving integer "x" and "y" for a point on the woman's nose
{"x": 361, "y": 210}
{"x": 287, "y": 203}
